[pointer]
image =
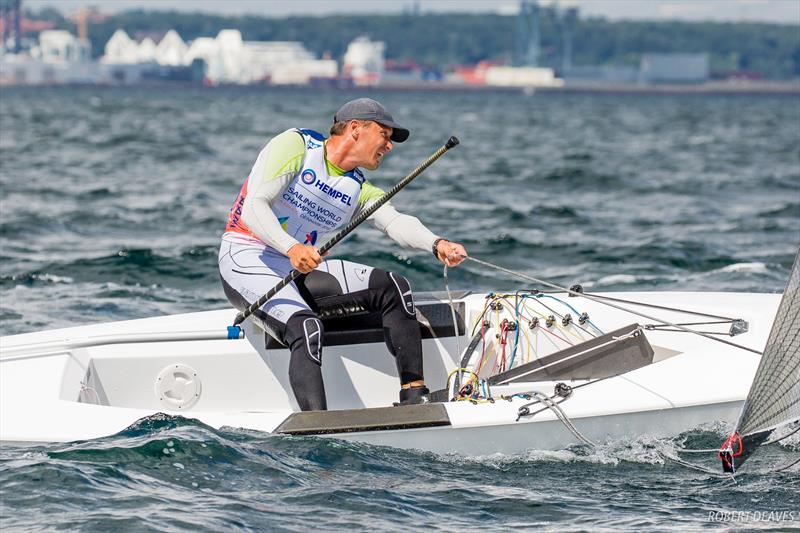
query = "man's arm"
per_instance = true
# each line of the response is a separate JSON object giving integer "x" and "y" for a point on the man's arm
{"x": 407, "y": 230}
{"x": 275, "y": 167}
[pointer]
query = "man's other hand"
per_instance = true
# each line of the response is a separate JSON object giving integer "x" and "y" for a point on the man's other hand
{"x": 304, "y": 258}
{"x": 450, "y": 253}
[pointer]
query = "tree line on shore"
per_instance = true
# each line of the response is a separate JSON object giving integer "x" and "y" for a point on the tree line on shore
{"x": 771, "y": 51}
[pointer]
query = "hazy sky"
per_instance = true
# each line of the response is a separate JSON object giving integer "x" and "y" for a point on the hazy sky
{"x": 783, "y": 11}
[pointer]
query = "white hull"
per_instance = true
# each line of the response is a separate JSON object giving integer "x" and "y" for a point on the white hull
{"x": 56, "y": 388}
{"x": 547, "y": 433}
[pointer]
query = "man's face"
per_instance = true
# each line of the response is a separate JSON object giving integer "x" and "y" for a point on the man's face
{"x": 374, "y": 142}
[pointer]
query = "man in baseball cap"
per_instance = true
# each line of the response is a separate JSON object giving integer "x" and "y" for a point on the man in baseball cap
{"x": 369, "y": 109}
{"x": 303, "y": 188}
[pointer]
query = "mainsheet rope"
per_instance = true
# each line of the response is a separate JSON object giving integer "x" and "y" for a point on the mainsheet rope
{"x": 453, "y": 312}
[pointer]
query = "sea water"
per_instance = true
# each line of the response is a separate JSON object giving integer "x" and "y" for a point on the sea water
{"x": 113, "y": 201}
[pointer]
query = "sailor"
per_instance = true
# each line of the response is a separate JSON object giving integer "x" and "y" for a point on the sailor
{"x": 302, "y": 188}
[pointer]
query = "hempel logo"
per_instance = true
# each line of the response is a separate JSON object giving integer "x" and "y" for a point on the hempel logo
{"x": 308, "y": 177}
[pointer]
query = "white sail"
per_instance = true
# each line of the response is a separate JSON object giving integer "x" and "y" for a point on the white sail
{"x": 774, "y": 397}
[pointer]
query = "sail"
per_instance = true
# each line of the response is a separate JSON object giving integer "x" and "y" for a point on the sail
{"x": 774, "y": 397}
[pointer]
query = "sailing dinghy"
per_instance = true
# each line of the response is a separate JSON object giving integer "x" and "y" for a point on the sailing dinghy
{"x": 529, "y": 369}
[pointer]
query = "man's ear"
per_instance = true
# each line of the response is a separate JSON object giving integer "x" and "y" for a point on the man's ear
{"x": 355, "y": 126}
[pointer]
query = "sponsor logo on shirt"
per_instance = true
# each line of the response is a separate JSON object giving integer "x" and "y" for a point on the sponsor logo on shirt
{"x": 333, "y": 193}
{"x": 311, "y": 237}
{"x": 308, "y": 177}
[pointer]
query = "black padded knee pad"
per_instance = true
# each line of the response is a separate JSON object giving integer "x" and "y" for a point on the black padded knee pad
{"x": 303, "y": 335}
{"x": 394, "y": 291}
{"x": 304, "y": 332}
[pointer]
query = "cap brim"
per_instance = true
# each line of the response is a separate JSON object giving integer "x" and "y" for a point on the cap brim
{"x": 399, "y": 133}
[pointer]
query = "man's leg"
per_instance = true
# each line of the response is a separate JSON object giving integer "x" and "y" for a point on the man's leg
{"x": 342, "y": 283}
{"x": 247, "y": 272}
{"x": 303, "y": 335}
{"x": 390, "y": 294}
{"x": 401, "y": 332}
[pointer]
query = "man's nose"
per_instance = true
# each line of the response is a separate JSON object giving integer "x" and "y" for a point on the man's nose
{"x": 389, "y": 145}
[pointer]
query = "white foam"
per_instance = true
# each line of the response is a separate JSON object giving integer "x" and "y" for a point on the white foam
{"x": 617, "y": 279}
{"x": 26, "y": 459}
{"x": 646, "y": 449}
{"x": 755, "y": 268}
{"x": 52, "y": 278}
{"x": 499, "y": 460}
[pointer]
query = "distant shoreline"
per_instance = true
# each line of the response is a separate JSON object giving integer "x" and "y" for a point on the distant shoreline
{"x": 714, "y": 87}
{"x": 710, "y": 88}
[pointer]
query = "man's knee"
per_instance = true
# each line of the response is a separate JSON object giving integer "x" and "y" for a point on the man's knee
{"x": 304, "y": 330}
{"x": 303, "y": 335}
{"x": 394, "y": 290}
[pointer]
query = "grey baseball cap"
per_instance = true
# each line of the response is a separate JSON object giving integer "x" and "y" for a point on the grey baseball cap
{"x": 369, "y": 109}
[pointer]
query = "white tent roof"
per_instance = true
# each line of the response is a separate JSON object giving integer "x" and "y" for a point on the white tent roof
{"x": 121, "y": 49}
{"x": 171, "y": 50}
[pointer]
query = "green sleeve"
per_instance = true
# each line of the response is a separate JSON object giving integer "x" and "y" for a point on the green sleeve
{"x": 284, "y": 155}
{"x": 369, "y": 192}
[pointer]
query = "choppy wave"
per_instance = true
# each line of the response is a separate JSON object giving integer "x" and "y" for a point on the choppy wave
{"x": 170, "y": 472}
{"x": 142, "y": 266}
{"x": 755, "y": 268}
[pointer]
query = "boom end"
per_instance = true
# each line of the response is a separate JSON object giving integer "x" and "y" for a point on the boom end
{"x": 452, "y": 141}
